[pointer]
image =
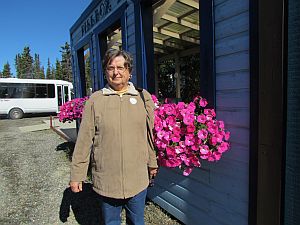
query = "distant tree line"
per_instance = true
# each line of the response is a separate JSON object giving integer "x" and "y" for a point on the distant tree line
{"x": 30, "y": 67}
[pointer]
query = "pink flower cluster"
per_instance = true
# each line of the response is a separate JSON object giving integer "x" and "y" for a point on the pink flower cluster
{"x": 186, "y": 133}
{"x": 72, "y": 110}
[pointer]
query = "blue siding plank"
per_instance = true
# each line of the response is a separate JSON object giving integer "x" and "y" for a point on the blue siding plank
{"x": 233, "y": 98}
{"x": 232, "y": 62}
{"x": 227, "y": 185}
{"x": 237, "y": 153}
{"x": 239, "y": 135}
{"x": 230, "y": 9}
{"x": 232, "y": 169}
{"x": 233, "y": 80}
{"x": 240, "y": 118}
{"x": 225, "y": 216}
{"x": 232, "y": 26}
{"x": 218, "y": 2}
{"x": 232, "y": 44}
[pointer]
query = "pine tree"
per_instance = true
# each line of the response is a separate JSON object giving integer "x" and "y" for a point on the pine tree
{"x": 1, "y": 74}
{"x": 42, "y": 73}
{"x": 53, "y": 72}
{"x": 48, "y": 70}
{"x": 26, "y": 64}
{"x": 6, "y": 73}
{"x": 37, "y": 67}
{"x": 66, "y": 66}
{"x": 58, "y": 70}
{"x": 18, "y": 62}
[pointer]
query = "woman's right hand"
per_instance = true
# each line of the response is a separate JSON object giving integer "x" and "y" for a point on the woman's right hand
{"x": 76, "y": 186}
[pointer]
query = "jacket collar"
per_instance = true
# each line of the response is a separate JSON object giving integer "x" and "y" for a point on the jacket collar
{"x": 107, "y": 90}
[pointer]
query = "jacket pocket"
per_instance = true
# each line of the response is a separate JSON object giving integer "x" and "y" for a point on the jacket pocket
{"x": 98, "y": 159}
{"x": 97, "y": 152}
{"x": 97, "y": 137}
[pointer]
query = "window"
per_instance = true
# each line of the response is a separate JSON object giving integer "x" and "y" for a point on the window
{"x": 41, "y": 91}
{"x": 3, "y": 90}
{"x": 26, "y": 90}
{"x": 50, "y": 90}
{"x": 66, "y": 93}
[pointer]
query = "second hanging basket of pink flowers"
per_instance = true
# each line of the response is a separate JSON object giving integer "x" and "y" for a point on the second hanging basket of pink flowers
{"x": 187, "y": 133}
{"x": 72, "y": 110}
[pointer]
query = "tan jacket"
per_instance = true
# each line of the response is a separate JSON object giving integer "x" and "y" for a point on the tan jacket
{"x": 113, "y": 134}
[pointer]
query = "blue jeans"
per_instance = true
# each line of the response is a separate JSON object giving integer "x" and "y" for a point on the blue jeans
{"x": 134, "y": 207}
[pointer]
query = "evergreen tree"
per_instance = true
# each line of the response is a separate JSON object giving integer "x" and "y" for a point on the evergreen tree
{"x": 37, "y": 67}
{"x": 167, "y": 81}
{"x": 6, "y": 73}
{"x": 18, "y": 65}
{"x": 190, "y": 77}
{"x": 49, "y": 74}
{"x": 58, "y": 70}
{"x": 1, "y": 74}
{"x": 42, "y": 73}
{"x": 53, "y": 72}
{"x": 66, "y": 66}
{"x": 26, "y": 64}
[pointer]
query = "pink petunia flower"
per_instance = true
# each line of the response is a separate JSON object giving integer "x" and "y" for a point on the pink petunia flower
{"x": 187, "y": 171}
{"x": 203, "y": 102}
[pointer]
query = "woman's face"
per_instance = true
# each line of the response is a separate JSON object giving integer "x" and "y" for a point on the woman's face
{"x": 117, "y": 74}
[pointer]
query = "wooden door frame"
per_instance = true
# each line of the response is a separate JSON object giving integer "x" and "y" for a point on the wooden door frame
{"x": 267, "y": 111}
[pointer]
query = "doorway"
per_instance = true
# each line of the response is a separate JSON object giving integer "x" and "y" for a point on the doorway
{"x": 176, "y": 40}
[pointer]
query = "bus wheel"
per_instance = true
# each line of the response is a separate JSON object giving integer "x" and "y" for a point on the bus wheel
{"x": 16, "y": 113}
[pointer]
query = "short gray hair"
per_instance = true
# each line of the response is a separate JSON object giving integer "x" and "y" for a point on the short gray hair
{"x": 113, "y": 53}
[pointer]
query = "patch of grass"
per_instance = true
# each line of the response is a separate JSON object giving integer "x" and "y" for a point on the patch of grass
{"x": 155, "y": 215}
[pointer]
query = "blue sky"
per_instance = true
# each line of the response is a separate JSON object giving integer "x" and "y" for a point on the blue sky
{"x": 42, "y": 25}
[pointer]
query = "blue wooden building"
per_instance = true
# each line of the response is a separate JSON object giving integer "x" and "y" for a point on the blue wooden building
{"x": 247, "y": 52}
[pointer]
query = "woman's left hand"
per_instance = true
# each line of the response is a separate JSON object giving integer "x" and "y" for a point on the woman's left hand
{"x": 152, "y": 175}
{"x": 152, "y": 172}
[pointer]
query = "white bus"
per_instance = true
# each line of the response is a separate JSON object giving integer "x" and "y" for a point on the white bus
{"x": 19, "y": 96}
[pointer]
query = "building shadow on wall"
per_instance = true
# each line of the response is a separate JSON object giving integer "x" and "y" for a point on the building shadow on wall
{"x": 86, "y": 206}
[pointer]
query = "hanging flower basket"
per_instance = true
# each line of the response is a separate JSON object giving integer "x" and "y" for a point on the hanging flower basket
{"x": 187, "y": 133}
{"x": 72, "y": 110}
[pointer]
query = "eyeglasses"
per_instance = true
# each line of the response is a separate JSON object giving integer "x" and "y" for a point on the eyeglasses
{"x": 120, "y": 69}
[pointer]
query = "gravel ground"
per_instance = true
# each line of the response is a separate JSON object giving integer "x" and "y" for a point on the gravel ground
{"x": 34, "y": 174}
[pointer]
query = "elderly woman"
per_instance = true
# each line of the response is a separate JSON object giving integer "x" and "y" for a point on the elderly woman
{"x": 113, "y": 134}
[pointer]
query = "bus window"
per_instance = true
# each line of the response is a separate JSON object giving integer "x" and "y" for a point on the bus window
{"x": 17, "y": 92}
{"x": 14, "y": 91}
{"x": 28, "y": 91}
{"x": 59, "y": 96}
{"x": 66, "y": 93}
{"x": 41, "y": 91}
{"x": 50, "y": 90}
{"x": 3, "y": 91}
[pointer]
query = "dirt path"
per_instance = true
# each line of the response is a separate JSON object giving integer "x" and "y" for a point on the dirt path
{"x": 33, "y": 174}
